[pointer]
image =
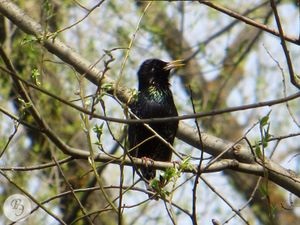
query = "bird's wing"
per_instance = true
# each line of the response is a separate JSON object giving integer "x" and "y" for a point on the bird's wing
{"x": 132, "y": 133}
{"x": 132, "y": 139}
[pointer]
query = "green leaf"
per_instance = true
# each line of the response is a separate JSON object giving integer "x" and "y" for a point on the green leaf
{"x": 266, "y": 136}
{"x": 185, "y": 164}
{"x": 265, "y": 120}
{"x": 98, "y": 130}
{"x": 35, "y": 74}
{"x": 170, "y": 173}
{"x": 107, "y": 87}
{"x": 24, "y": 105}
{"x": 154, "y": 184}
{"x": 263, "y": 189}
{"x": 201, "y": 47}
{"x": 258, "y": 150}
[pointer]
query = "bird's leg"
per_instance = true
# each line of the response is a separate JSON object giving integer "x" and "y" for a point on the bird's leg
{"x": 148, "y": 171}
{"x": 146, "y": 159}
{"x": 176, "y": 162}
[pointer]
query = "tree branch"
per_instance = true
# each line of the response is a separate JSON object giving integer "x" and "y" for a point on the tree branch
{"x": 249, "y": 21}
{"x": 294, "y": 79}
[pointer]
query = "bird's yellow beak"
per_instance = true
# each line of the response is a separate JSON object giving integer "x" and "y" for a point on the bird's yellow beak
{"x": 174, "y": 64}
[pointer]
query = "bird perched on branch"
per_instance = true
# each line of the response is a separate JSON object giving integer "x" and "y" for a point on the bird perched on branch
{"x": 154, "y": 100}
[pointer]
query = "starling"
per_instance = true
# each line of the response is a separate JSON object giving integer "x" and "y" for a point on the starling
{"x": 154, "y": 100}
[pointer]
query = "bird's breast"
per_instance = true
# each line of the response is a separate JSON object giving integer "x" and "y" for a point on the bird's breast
{"x": 156, "y": 94}
{"x": 156, "y": 104}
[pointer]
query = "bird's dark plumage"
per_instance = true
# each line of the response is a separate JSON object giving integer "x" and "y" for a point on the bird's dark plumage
{"x": 154, "y": 100}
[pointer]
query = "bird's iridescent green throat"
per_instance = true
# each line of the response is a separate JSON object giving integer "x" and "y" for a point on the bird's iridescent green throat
{"x": 157, "y": 94}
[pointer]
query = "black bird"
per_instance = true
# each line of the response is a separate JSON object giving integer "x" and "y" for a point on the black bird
{"x": 154, "y": 100}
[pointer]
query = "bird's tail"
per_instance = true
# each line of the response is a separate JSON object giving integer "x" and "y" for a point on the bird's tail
{"x": 151, "y": 195}
{"x": 149, "y": 174}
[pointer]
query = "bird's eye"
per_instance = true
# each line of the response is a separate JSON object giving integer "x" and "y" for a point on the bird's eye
{"x": 152, "y": 69}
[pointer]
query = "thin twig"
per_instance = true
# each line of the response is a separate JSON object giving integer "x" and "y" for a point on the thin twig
{"x": 10, "y": 138}
{"x": 224, "y": 199}
{"x": 249, "y": 21}
{"x": 248, "y": 201}
{"x": 223, "y": 30}
{"x": 294, "y": 79}
{"x": 36, "y": 167}
{"x": 79, "y": 21}
{"x": 194, "y": 202}
{"x": 72, "y": 191}
{"x": 129, "y": 49}
{"x": 18, "y": 119}
{"x": 284, "y": 88}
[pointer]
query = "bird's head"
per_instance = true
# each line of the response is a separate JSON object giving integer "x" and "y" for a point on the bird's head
{"x": 155, "y": 72}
